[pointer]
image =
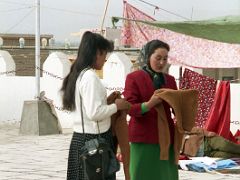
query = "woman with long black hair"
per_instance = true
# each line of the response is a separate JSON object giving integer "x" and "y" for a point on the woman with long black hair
{"x": 83, "y": 90}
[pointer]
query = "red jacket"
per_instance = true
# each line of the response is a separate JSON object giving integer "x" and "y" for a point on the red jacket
{"x": 138, "y": 89}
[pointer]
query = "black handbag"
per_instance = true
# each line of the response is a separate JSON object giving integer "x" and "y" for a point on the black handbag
{"x": 98, "y": 159}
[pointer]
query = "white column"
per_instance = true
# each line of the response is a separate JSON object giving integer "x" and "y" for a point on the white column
{"x": 37, "y": 50}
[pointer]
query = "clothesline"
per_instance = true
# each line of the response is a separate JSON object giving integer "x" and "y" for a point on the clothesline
{"x": 233, "y": 80}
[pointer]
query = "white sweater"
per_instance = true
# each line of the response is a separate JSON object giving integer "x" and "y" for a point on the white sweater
{"x": 94, "y": 104}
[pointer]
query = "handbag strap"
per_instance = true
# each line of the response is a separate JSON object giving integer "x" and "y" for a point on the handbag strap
{"x": 82, "y": 119}
{"x": 81, "y": 75}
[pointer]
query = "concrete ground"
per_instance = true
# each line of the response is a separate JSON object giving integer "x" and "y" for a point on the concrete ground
{"x": 45, "y": 157}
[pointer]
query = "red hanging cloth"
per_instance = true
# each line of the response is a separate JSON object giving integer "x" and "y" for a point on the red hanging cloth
{"x": 219, "y": 117}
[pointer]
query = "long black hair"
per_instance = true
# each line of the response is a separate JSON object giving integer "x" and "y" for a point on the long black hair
{"x": 87, "y": 53}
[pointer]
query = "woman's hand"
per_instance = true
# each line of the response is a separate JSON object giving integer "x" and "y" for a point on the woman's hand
{"x": 113, "y": 96}
{"x": 122, "y": 104}
{"x": 154, "y": 100}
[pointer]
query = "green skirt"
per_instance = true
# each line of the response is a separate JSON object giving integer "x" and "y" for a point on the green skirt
{"x": 146, "y": 165}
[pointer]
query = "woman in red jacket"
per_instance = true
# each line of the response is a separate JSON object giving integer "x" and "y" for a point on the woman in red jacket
{"x": 140, "y": 85}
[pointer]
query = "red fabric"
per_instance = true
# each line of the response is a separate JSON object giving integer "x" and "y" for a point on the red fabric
{"x": 237, "y": 136}
{"x": 206, "y": 87}
{"x": 183, "y": 157}
{"x": 138, "y": 89}
{"x": 219, "y": 116}
{"x": 129, "y": 31}
{"x": 119, "y": 157}
{"x": 185, "y": 50}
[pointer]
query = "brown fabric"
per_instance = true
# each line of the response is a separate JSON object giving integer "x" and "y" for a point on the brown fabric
{"x": 184, "y": 104}
{"x": 192, "y": 141}
{"x": 120, "y": 129}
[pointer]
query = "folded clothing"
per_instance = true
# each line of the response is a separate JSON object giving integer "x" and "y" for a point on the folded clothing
{"x": 221, "y": 164}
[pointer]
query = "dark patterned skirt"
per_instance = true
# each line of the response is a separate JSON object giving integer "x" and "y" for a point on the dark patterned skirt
{"x": 75, "y": 168}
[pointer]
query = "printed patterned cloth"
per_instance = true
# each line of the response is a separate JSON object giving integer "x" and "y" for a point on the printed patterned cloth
{"x": 206, "y": 87}
{"x": 185, "y": 50}
{"x": 130, "y": 28}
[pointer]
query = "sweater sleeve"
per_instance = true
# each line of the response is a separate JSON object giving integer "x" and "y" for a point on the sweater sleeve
{"x": 132, "y": 95}
{"x": 94, "y": 97}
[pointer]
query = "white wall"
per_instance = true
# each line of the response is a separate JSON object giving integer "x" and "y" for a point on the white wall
{"x": 174, "y": 70}
{"x": 115, "y": 70}
{"x": 15, "y": 90}
{"x": 58, "y": 64}
{"x": 235, "y": 107}
{"x": 7, "y": 64}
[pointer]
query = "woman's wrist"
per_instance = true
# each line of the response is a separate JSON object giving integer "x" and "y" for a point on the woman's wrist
{"x": 149, "y": 105}
{"x": 144, "y": 108}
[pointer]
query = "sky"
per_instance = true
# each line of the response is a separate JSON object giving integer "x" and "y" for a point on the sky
{"x": 64, "y": 17}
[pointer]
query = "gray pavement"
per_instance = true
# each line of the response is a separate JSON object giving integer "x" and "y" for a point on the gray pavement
{"x": 45, "y": 157}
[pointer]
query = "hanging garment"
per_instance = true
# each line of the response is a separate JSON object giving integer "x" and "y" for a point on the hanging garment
{"x": 206, "y": 87}
{"x": 184, "y": 104}
{"x": 120, "y": 131}
{"x": 139, "y": 28}
{"x": 219, "y": 117}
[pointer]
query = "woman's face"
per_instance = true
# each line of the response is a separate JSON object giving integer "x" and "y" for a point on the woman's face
{"x": 158, "y": 59}
{"x": 100, "y": 59}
